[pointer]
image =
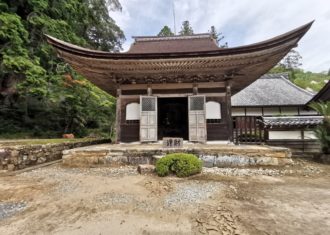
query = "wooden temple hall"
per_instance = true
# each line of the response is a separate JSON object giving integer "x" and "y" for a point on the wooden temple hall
{"x": 178, "y": 86}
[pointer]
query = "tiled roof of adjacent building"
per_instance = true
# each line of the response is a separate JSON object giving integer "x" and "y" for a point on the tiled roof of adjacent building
{"x": 193, "y": 43}
{"x": 298, "y": 121}
{"x": 272, "y": 90}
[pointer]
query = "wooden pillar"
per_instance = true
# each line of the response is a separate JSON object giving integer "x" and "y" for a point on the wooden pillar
{"x": 149, "y": 91}
{"x": 230, "y": 119}
{"x": 195, "y": 89}
{"x": 118, "y": 116}
{"x": 303, "y": 140}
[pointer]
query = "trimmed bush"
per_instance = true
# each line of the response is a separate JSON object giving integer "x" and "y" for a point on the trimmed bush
{"x": 180, "y": 164}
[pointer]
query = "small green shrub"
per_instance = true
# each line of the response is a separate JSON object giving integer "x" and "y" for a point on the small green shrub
{"x": 181, "y": 164}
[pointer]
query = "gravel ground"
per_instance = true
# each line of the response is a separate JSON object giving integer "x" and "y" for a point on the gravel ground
{"x": 190, "y": 193}
{"x": 8, "y": 209}
{"x": 58, "y": 200}
{"x": 57, "y": 171}
{"x": 240, "y": 171}
{"x": 304, "y": 171}
{"x": 121, "y": 200}
{"x": 115, "y": 199}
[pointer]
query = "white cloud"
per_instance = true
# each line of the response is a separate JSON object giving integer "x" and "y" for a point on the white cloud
{"x": 241, "y": 21}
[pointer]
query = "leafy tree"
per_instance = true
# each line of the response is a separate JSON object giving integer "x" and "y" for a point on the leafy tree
{"x": 165, "y": 32}
{"x": 218, "y": 37}
{"x": 323, "y": 131}
{"x": 41, "y": 95}
{"x": 291, "y": 61}
{"x": 304, "y": 79}
{"x": 328, "y": 72}
{"x": 102, "y": 31}
{"x": 186, "y": 29}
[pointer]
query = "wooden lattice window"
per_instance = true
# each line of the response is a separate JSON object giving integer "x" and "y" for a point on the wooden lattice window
{"x": 197, "y": 103}
{"x": 148, "y": 104}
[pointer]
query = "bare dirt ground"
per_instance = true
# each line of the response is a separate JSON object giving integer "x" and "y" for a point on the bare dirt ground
{"x": 57, "y": 200}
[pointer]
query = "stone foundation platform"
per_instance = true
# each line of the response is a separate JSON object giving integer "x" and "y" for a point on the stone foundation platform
{"x": 219, "y": 155}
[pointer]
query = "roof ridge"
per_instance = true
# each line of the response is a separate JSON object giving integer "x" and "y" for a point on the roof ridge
{"x": 275, "y": 75}
{"x": 297, "y": 87}
{"x": 174, "y": 37}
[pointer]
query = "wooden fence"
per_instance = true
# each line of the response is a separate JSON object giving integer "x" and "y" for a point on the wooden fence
{"x": 248, "y": 130}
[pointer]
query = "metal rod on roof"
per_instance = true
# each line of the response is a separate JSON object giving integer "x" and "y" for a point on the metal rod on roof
{"x": 174, "y": 17}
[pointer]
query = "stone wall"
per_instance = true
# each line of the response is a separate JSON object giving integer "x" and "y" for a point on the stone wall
{"x": 22, "y": 156}
{"x": 212, "y": 156}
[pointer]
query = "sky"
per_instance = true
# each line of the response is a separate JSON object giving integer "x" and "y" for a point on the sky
{"x": 242, "y": 22}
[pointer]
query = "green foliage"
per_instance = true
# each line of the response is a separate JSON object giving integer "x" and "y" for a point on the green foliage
{"x": 291, "y": 61}
{"x": 218, "y": 37}
{"x": 165, "y": 32}
{"x": 40, "y": 95}
{"x": 305, "y": 80}
{"x": 181, "y": 164}
{"x": 322, "y": 132}
{"x": 313, "y": 81}
{"x": 186, "y": 29}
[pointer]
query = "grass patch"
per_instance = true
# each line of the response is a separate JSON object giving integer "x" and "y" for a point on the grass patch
{"x": 14, "y": 142}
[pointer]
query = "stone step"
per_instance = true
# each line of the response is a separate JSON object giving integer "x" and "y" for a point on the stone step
{"x": 146, "y": 169}
{"x": 155, "y": 158}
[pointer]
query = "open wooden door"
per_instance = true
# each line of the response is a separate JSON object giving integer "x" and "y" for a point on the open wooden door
{"x": 148, "y": 118}
{"x": 197, "y": 120}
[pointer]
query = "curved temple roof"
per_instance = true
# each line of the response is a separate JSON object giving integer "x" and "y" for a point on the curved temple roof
{"x": 241, "y": 65}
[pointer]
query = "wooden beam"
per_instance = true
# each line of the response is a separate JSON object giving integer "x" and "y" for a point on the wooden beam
{"x": 177, "y": 95}
{"x": 118, "y": 116}
{"x": 213, "y": 94}
{"x": 173, "y": 95}
{"x": 230, "y": 119}
{"x": 168, "y": 86}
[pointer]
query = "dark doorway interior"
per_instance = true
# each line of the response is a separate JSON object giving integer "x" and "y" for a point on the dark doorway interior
{"x": 173, "y": 117}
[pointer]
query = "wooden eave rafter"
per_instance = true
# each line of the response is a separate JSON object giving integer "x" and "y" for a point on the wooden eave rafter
{"x": 322, "y": 95}
{"x": 242, "y": 65}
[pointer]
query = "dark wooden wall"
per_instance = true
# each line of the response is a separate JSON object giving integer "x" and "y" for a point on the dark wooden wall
{"x": 129, "y": 130}
{"x": 219, "y": 131}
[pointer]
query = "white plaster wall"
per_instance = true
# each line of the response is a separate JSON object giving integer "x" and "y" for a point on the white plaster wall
{"x": 213, "y": 110}
{"x": 253, "y": 112}
{"x": 284, "y": 135}
{"x": 289, "y": 111}
{"x": 307, "y": 112}
{"x": 309, "y": 135}
{"x": 237, "y": 112}
{"x": 133, "y": 111}
{"x": 271, "y": 111}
